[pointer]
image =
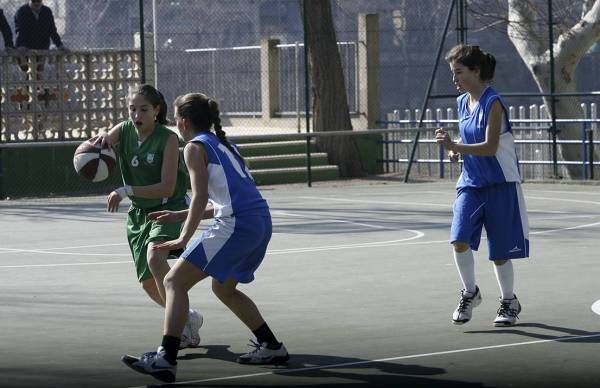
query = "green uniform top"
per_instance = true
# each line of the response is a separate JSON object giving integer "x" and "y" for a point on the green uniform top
{"x": 141, "y": 164}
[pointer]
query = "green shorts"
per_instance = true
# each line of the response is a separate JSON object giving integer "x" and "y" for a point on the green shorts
{"x": 141, "y": 231}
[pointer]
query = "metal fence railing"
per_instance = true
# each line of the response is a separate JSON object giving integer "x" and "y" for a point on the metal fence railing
{"x": 533, "y": 143}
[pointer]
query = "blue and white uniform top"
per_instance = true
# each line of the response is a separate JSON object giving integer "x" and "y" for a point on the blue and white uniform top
{"x": 483, "y": 171}
{"x": 231, "y": 188}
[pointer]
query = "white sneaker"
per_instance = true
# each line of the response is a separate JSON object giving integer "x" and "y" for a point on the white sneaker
{"x": 465, "y": 307}
{"x": 508, "y": 312}
{"x": 190, "y": 337}
{"x": 154, "y": 364}
{"x": 262, "y": 355}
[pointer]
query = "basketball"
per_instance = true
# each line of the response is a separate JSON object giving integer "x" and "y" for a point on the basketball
{"x": 92, "y": 162}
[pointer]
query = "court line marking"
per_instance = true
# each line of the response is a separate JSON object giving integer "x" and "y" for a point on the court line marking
{"x": 563, "y": 200}
{"x": 569, "y": 228}
{"x": 273, "y": 252}
{"x": 591, "y": 192}
{"x": 417, "y": 235}
{"x": 334, "y": 220}
{"x": 364, "y": 362}
{"x": 335, "y": 199}
{"x": 596, "y": 307}
{"x": 447, "y": 205}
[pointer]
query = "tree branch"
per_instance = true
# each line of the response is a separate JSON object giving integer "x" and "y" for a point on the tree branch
{"x": 572, "y": 45}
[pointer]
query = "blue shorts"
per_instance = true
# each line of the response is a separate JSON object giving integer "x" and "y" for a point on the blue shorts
{"x": 233, "y": 247}
{"x": 501, "y": 210}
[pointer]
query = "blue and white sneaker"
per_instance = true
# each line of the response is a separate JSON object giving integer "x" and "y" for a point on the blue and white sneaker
{"x": 263, "y": 355}
{"x": 508, "y": 312}
{"x": 153, "y": 364}
{"x": 190, "y": 337}
{"x": 467, "y": 302}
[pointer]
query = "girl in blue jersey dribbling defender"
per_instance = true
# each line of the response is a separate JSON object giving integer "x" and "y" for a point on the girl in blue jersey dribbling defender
{"x": 489, "y": 190}
{"x": 229, "y": 251}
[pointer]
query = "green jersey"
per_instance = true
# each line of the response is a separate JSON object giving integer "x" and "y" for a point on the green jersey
{"x": 141, "y": 163}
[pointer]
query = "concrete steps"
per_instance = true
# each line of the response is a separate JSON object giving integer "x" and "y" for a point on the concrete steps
{"x": 277, "y": 162}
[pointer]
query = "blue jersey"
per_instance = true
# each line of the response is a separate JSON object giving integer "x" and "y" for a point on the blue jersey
{"x": 231, "y": 189}
{"x": 483, "y": 171}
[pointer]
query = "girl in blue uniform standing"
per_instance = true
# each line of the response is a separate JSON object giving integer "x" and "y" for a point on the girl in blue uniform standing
{"x": 489, "y": 191}
{"x": 229, "y": 251}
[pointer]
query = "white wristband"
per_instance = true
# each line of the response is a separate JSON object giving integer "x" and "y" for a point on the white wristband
{"x": 124, "y": 191}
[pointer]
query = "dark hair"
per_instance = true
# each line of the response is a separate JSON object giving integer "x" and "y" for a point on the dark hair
{"x": 155, "y": 98}
{"x": 203, "y": 113}
{"x": 473, "y": 58}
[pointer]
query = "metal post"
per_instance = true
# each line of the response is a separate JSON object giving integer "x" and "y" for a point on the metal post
{"x": 155, "y": 40}
{"x": 2, "y": 71}
{"x": 584, "y": 162}
{"x": 590, "y": 136}
{"x": 428, "y": 93}
{"x": 553, "y": 128}
{"x": 306, "y": 95}
{"x": 142, "y": 43}
{"x": 461, "y": 22}
{"x": 297, "y": 84}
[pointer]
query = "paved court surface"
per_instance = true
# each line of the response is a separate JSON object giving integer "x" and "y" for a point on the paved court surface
{"x": 359, "y": 282}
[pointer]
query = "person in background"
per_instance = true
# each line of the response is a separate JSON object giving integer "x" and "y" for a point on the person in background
{"x": 6, "y": 32}
{"x": 34, "y": 28}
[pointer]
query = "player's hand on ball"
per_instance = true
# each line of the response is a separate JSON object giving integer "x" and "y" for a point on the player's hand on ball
{"x": 104, "y": 140}
{"x": 114, "y": 199}
{"x": 163, "y": 216}
{"x": 171, "y": 245}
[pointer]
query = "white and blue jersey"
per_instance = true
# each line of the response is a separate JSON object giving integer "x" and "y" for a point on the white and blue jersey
{"x": 481, "y": 171}
{"x": 489, "y": 191}
{"x": 234, "y": 246}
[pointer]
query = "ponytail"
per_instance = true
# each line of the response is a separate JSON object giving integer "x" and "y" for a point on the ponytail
{"x": 203, "y": 113}
{"x": 216, "y": 121}
{"x": 473, "y": 58}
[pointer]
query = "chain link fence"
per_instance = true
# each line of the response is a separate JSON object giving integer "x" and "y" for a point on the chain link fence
{"x": 249, "y": 55}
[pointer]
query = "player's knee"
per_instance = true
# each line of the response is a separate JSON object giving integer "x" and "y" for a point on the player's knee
{"x": 154, "y": 260}
{"x": 149, "y": 285}
{"x": 169, "y": 282}
{"x": 222, "y": 291}
{"x": 460, "y": 246}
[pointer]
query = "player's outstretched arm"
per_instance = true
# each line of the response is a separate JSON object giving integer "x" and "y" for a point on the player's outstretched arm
{"x": 168, "y": 216}
{"x": 112, "y": 137}
{"x": 196, "y": 161}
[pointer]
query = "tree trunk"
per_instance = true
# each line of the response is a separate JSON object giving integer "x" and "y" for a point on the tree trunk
{"x": 568, "y": 49}
{"x": 565, "y": 107}
{"x": 330, "y": 103}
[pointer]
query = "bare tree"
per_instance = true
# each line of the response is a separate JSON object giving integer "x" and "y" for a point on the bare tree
{"x": 330, "y": 102}
{"x": 577, "y": 28}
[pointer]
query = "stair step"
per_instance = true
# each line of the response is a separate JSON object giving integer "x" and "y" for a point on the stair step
{"x": 270, "y": 176}
{"x": 275, "y": 148}
{"x": 288, "y": 160}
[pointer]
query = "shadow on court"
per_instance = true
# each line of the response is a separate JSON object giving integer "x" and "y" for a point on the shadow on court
{"x": 565, "y": 332}
{"x": 356, "y": 371}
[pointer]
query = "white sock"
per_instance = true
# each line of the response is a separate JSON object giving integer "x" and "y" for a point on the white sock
{"x": 506, "y": 279}
{"x": 466, "y": 269}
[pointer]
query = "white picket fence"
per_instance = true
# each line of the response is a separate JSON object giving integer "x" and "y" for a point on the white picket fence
{"x": 530, "y": 128}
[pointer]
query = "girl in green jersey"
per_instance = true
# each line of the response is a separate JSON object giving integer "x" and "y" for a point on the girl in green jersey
{"x": 154, "y": 179}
